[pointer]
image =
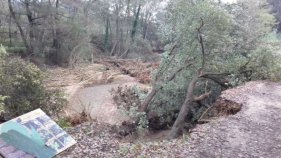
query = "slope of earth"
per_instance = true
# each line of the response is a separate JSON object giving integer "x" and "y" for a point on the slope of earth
{"x": 70, "y": 80}
{"x": 255, "y": 131}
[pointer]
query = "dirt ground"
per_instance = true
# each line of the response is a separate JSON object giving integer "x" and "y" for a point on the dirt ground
{"x": 255, "y": 131}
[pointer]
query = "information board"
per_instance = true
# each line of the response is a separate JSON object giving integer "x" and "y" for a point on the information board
{"x": 33, "y": 135}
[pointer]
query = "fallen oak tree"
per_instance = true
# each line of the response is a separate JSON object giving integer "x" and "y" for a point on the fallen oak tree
{"x": 200, "y": 28}
{"x": 190, "y": 100}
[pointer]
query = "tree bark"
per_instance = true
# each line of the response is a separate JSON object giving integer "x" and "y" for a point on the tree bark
{"x": 24, "y": 39}
{"x": 10, "y": 32}
{"x": 56, "y": 44}
{"x": 128, "y": 14}
{"x": 200, "y": 40}
{"x": 219, "y": 79}
{"x": 125, "y": 54}
{"x": 112, "y": 52}
{"x": 179, "y": 123}
{"x": 145, "y": 24}
{"x": 135, "y": 24}
{"x": 149, "y": 98}
{"x": 117, "y": 31}
{"x": 31, "y": 25}
{"x": 106, "y": 36}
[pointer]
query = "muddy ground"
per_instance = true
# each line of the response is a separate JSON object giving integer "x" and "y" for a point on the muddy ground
{"x": 88, "y": 87}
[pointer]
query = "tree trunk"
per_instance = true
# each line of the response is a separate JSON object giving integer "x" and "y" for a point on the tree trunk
{"x": 125, "y": 54}
{"x": 106, "y": 36}
{"x": 117, "y": 31}
{"x": 135, "y": 24}
{"x": 190, "y": 99}
{"x": 185, "y": 109}
{"x": 10, "y": 31}
{"x": 31, "y": 25}
{"x": 112, "y": 52}
{"x": 24, "y": 39}
{"x": 56, "y": 44}
{"x": 121, "y": 42}
{"x": 145, "y": 24}
{"x": 117, "y": 21}
{"x": 149, "y": 98}
{"x": 128, "y": 14}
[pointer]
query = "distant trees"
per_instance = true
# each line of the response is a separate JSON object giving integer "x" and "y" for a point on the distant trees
{"x": 276, "y": 9}
{"x": 134, "y": 23}
{"x": 65, "y": 31}
{"x": 35, "y": 21}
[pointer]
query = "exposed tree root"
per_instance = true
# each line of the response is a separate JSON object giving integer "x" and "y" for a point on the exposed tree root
{"x": 220, "y": 108}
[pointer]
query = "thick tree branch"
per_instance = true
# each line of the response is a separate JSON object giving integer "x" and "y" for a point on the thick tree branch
{"x": 200, "y": 39}
{"x": 202, "y": 97}
{"x": 218, "y": 78}
{"x": 189, "y": 101}
{"x": 178, "y": 71}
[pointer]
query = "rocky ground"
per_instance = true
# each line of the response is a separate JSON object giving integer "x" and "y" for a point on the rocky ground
{"x": 254, "y": 131}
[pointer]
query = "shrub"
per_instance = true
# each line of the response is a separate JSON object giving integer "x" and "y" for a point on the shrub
{"x": 2, "y": 51}
{"x": 19, "y": 50}
{"x": 128, "y": 100}
{"x": 126, "y": 97}
{"x": 2, "y": 99}
{"x": 22, "y": 82}
{"x": 2, "y": 104}
{"x": 141, "y": 49}
{"x": 64, "y": 123}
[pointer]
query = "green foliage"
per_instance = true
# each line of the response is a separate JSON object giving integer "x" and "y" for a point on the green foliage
{"x": 265, "y": 65}
{"x": 234, "y": 37}
{"x": 64, "y": 123}
{"x": 128, "y": 100}
{"x": 2, "y": 104}
{"x": 3, "y": 51}
{"x": 2, "y": 98}
{"x": 22, "y": 82}
{"x": 216, "y": 25}
{"x": 17, "y": 50}
{"x": 123, "y": 151}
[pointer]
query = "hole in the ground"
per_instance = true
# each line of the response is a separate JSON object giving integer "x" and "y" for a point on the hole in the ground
{"x": 220, "y": 108}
